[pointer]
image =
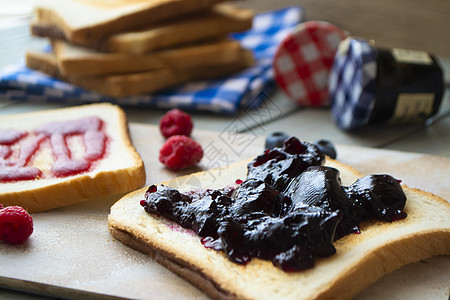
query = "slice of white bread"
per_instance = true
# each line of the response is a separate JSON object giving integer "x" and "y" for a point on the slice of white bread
{"x": 74, "y": 60}
{"x": 220, "y": 20}
{"x": 89, "y": 20}
{"x": 112, "y": 85}
{"x": 119, "y": 170}
{"x": 360, "y": 260}
{"x": 122, "y": 85}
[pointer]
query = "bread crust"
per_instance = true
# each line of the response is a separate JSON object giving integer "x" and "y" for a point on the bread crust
{"x": 108, "y": 177}
{"x": 360, "y": 259}
{"x": 191, "y": 273}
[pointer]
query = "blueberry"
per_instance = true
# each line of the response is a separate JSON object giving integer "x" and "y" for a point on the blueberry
{"x": 327, "y": 148}
{"x": 276, "y": 139}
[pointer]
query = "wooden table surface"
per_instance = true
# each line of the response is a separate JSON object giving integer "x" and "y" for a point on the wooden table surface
{"x": 279, "y": 113}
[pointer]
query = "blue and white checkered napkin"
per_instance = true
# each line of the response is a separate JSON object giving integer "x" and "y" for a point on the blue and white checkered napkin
{"x": 225, "y": 95}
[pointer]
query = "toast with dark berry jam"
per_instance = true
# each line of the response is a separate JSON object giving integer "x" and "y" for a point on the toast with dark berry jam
{"x": 290, "y": 224}
{"x": 59, "y": 157}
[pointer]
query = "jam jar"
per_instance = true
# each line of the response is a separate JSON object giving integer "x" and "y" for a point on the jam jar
{"x": 373, "y": 85}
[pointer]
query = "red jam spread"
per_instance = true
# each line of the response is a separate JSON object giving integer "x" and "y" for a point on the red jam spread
{"x": 289, "y": 210}
{"x": 8, "y": 137}
{"x": 14, "y": 164}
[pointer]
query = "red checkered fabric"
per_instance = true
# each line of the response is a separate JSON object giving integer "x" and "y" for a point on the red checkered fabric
{"x": 303, "y": 61}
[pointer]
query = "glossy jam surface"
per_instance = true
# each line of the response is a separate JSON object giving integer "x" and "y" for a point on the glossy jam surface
{"x": 289, "y": 210}
{"x": 17, "y": 148}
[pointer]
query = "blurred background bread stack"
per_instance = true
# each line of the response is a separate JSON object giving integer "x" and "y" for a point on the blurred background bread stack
{"x": 128, "y": 47}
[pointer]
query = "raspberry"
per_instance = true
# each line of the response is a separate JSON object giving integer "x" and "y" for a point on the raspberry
{"x": 16, "y": 225}
{"x": 175, "y": 122}
{"x": 180, "y": 152}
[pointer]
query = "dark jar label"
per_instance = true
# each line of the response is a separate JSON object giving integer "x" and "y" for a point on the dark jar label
{"x": 412, "y": 108}
{"x": 409, "y": 86}
{"x": 411, "y": 56}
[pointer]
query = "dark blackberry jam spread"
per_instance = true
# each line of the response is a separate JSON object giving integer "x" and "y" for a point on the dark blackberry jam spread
{"x": 289, "y": 210}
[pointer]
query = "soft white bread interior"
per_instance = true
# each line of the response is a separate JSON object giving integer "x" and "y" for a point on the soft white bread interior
{"x": 122, "y": 85}
{"x": 88, "y": 20}
{"x": 45, "y": 62}
{"x": 360, "y": 259}
{"x": 119, "y": 170}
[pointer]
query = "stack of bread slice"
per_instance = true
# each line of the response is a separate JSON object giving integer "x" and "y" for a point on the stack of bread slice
{"x": 128, "y": 47}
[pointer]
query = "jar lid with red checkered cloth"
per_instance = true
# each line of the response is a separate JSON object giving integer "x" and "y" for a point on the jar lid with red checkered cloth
{"x": 303, "y": 61}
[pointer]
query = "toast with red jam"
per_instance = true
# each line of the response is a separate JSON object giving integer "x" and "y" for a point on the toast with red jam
{"x": 298, "y": 227}
{"x": 59, "y": 157}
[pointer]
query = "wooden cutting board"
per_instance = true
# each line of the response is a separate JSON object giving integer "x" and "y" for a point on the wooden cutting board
{"x": 72, "y": 254}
